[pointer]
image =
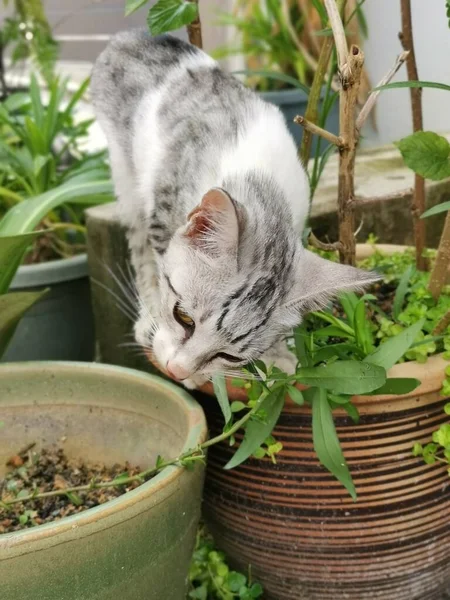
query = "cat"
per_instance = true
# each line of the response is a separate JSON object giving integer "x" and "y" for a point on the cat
{"x": 214, "y": 199}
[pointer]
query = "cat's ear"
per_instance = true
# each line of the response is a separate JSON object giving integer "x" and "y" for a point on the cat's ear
{"x": 213, "y": 226}
{"x": 318, "y": 281}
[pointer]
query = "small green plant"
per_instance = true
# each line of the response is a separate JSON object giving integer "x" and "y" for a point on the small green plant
{"x": 210, "y": 577}
{"x": 40, "y": 158}
{"x": 27, "y": 34}
{"x": 438, "y": 450}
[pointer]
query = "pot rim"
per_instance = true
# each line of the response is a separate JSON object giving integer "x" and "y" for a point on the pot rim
{"x": 431, "y": 373}
{"x": 51, "y": 272}
{"x": 197, "y": 433}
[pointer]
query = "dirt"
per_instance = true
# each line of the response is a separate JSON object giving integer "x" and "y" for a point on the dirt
{"x": 50, "y": 470}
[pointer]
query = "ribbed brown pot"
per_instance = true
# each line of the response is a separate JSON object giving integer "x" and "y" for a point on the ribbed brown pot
{"x": 298, "y": 527}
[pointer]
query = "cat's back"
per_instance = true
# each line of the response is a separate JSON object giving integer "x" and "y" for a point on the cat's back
{"x": 132, "y": 64}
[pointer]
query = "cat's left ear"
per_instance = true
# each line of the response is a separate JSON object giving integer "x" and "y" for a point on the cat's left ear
{"x": 213, "y": 226}
{"x": 318, "y": 281}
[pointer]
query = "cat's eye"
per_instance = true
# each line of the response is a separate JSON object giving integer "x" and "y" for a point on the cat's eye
{"x": 229, "y": 357}
{"x": 182, "y": 317}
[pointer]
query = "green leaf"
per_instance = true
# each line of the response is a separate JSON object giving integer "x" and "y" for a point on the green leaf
{"x": 436, "y": 210}
{"x": 74, "y": 498}
{"x": 427, "y": 154}
{"x": 26, "y": 215}
{"x": 237, "y": 406}
{"x": 336, "y": 350}
{"x": 344, "y": 377}
{"x": 257, "y": 431}
{"x": 417, "y": 449}
{"x": 442, "y": 435}
{"x": 447, "y": 408}
{"x": 400, "y": 292}
{"x": 220, "y": 390}
{"x": 352, "y": 411}
{"x": 295, "y": 395}
{"x": 334, "y": 321}
{"x": 348, "y": 302}
{"x": 361, "y": 325}
{"x": 256, "y": 591}
{"x": 12, "y": 307}
{"x": 326, "y": 442}
{"x": 12, "y": 249}
{"x": 235, "y": 581}
{"x": 23, "y": 519}
{"x": 301, "y": 352}
{"x": 413, "y": 84}
{"x": 333, "y": 331}
{"x": 121, "y": 478}
{"x": 274, "y": 75}
{"x": 388, "y": 353}
{"x": 167, "y": 15}
{"x": 132, "y": 5}
{"x": 321, "y": 11}
{"x": 397, "y": 385}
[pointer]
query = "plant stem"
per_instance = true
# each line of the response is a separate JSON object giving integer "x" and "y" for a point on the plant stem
{"x": 439, "y": 274}
{"x": 195, "y": 30}
{"x": 443, "y": 324}
{"x": 312, "y": 108}
{"x": 350, "y": 77}
{"x": 193, "y": 452}
{"x": 418, "y": 198}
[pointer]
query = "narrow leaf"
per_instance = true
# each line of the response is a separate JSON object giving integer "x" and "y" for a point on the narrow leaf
{"x": 344, "y": 377}
{"x": 414, "y": 84}
{"x": 220, "y": 390}
{"x": 12, "y": 249}
{"x": 168, "y": 15}
{"x": 132, "y": 5}
{"x": 326, "y": 442}
{"x": 436, "y": 210}
{"x": 12, "y": 308}
{"x": 388, "y": 353}
{"x": 397, "y": 385}
{"x": 257, "y": 431}
{"x": 400, "y": 292}
{"x": 26, "y": 215}
{"x": 295, "y": 395}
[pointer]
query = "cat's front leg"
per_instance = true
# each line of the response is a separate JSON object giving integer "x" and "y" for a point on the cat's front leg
{"x": 193, "y": 383}
{"x": 280, "y": 356}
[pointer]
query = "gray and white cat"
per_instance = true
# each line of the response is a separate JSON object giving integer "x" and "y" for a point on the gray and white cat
{"x": 215, "y": 199}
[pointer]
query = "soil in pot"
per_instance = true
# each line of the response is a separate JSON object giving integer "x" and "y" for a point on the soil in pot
{"x": 48, "y": 470}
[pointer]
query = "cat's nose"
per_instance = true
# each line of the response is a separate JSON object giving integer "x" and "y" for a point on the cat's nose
{"x": 176, "y": 371}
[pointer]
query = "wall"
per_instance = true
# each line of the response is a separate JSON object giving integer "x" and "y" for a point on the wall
{"x": 432, "y": 43}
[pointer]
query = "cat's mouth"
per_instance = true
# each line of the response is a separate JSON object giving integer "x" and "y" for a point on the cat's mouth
{"x": 206, "y": 388}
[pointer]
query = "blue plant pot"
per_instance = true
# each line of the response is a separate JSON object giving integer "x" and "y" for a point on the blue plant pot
{"x": 60, "y": 326}
{"x": 293, "y": 103}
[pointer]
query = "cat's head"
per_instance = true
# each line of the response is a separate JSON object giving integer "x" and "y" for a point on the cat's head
{"x": 226, "y": 297}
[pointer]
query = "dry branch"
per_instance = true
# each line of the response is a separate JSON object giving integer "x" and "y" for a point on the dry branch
{"x": 195, "y": 31}
{"x": 439, "y": 274}
{"x": 370, "y": 102}
{"x": 418, "y": 198}
{"x": 316, "y": 243}
{"x": 315, "y": 129}
{"x": 443, "y": 324}
{"x": 340, "y": 40}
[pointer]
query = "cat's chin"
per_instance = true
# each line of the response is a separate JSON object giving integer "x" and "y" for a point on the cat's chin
{"x": 193, "y": 383}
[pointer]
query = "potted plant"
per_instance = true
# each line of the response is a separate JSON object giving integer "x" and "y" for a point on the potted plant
{"x": 65, "y": 428}
{"x": 282, "y": 43}
{"x": 45, "y": 175}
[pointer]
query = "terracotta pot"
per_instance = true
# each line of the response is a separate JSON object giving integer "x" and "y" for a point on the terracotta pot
{"x": 299, "y": 529}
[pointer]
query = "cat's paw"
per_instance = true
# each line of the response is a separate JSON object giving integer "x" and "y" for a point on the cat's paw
{"x": 192, "y": 383}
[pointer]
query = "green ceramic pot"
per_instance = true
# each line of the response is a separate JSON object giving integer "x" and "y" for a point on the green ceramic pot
{"x": 135, "y": 547}
{"x": 60, "y": 326}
